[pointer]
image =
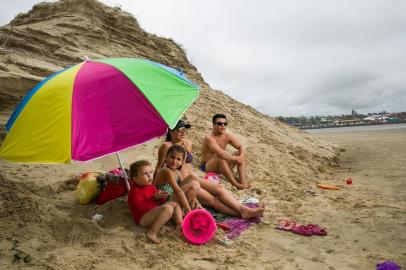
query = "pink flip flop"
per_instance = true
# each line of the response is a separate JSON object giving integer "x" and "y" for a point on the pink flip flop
{"x": 316, "y": 230}
{"x": 302, "y": 230}
{"x": 285, "y": 225}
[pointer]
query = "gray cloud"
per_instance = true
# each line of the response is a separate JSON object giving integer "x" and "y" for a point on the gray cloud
{"x": 10, "y": 9}
{"x": 286, "y": 57}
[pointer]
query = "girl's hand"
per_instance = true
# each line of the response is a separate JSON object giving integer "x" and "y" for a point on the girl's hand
{"x": 187, "y": 210}
{"x": 160, "y": 194}
{"x": 196, "y": 205}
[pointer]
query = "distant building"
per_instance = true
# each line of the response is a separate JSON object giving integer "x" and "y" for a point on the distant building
{"x": 370, "y": 118}
{"x": 349, "y": 122}
{"x": 393, "y": 120}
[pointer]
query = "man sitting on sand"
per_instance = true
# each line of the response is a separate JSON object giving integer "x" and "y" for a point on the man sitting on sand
{"x": 216, "y": 159}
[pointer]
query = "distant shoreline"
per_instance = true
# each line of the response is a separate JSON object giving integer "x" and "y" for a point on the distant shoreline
{"x": 348, "y": 125}
{"x": 357, "y": 128}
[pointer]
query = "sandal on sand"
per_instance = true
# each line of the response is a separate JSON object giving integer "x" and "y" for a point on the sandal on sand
{"x": 285, "y": 225}
{"x": 316, "y": 230}
{"x": 223, "y": 240}
{"x": 302, "y": 230}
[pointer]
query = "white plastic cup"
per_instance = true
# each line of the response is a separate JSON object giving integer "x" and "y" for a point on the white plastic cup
{"x": 97, "y": 217}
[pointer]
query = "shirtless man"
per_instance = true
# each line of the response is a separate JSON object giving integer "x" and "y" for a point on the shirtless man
{"x": 216, "y": 159}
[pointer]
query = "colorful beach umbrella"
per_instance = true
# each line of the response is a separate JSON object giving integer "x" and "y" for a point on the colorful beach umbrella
{"x": 96, "y": 108}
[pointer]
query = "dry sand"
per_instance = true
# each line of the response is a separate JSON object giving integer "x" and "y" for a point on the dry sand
{"x": 365, "y": 221}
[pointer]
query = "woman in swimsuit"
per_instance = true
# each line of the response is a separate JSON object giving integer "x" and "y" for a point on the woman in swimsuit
{"x": 177, "y": 136}
{"x": 210, "y": 194}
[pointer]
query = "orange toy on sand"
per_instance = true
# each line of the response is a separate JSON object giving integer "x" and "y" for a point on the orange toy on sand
{"x": 330, "y": 187}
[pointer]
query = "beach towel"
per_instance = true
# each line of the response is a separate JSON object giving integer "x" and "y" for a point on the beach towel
{"x": 236, "y": 225}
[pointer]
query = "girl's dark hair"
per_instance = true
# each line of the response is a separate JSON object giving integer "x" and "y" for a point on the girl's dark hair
{"x": 176, "y": 148}
{"x": 168, "y": 136}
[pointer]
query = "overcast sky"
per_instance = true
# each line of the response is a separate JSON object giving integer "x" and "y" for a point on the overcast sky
{"x": 286, "y": 57}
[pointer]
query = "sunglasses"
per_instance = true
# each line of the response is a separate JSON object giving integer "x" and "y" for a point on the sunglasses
{"x": 221, "y": 124}
{"x": 182, "y": 129}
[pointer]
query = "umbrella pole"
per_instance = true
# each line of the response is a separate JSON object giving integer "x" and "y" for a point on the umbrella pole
{"x": 125, "y": 174}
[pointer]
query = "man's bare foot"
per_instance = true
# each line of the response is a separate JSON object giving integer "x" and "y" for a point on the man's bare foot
{"x": 248, "y": 213}
{"x": 242, "y": 186}
{"x": 153, "y": 238}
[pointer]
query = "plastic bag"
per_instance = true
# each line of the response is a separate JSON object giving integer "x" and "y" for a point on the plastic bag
{"x": 88, "y": 188}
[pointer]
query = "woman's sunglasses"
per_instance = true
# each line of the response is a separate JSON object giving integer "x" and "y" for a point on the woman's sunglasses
{"x": 182, "y": 129}
{"x": 220, "y": 124}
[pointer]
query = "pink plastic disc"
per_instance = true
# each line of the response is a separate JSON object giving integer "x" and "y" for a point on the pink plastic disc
{"x": 199, "y": 226}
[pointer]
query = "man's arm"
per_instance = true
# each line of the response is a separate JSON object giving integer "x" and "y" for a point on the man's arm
{"x": 213, "y": 146}
{"x": 237, "y": 144}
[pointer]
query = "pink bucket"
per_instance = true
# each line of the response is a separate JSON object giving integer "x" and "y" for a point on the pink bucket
{"x": 199, "y": 226}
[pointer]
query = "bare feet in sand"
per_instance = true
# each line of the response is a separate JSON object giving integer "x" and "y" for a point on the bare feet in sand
{"x": 153, "y": 238}
{"x": 248, "y": 213}
{"x": 243, "y": 186}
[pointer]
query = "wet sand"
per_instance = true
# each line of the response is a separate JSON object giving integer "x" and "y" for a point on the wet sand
{"x": 370, "y": 215}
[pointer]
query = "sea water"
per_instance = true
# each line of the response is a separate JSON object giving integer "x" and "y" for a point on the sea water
{"x": 357, "y": 128}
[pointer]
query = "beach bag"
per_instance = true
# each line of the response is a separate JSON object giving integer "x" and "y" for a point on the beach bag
{"x": 112, "y": 186}
{"x": 88, "y": 188}
{"x": 213, "y": 177}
